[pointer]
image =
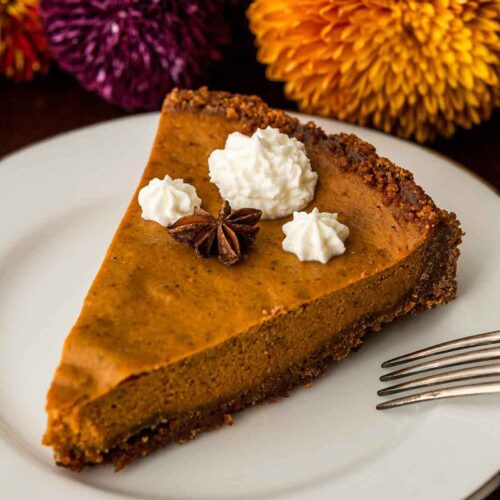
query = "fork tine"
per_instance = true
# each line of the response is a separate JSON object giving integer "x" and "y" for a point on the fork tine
{"x": 472, "y": 341}
{"x": 449, "y": 392}
{"x": 453, "y": 360}
{"x": 443, "y": 378}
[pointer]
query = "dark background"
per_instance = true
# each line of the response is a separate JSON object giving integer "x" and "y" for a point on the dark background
{"x": 47, "y": 106}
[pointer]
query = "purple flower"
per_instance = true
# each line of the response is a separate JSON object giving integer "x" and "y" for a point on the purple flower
{"x": 131, "y": 52}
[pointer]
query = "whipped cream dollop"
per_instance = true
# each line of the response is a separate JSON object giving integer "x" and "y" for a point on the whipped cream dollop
{"x": 165, "y": 201}
{"x": 315, "y": 236}
{"x": 269, "y": 171}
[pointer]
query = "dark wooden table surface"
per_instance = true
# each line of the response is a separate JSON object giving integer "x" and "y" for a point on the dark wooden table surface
{"x": 48, "y": 106}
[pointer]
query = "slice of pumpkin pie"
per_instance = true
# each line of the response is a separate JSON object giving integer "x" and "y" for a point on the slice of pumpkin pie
{"x": 169, "y": 343}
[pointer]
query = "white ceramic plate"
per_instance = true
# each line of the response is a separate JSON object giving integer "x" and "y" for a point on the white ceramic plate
{"x": 60, "y": 202}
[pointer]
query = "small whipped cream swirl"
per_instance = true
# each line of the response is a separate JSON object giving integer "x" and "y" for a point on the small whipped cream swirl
{"x": 269, "y": 171}
{"x": 165, "y": 201}
{"x": 315, "y": 236}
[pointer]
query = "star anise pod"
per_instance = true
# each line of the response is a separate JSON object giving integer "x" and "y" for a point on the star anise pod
{"x": 226, "y": 236}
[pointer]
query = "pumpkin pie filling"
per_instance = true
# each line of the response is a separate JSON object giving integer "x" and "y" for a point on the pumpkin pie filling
{"x": 168, "y": 344}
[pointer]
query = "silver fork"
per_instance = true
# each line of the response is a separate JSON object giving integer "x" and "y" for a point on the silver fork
{"x": 460, "y": 375}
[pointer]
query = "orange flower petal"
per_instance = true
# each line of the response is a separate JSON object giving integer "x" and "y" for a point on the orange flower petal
{"x": 415, "y": 68}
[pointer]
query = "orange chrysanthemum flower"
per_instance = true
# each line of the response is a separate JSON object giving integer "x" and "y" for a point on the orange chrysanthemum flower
{"x": 414, "y": 68}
